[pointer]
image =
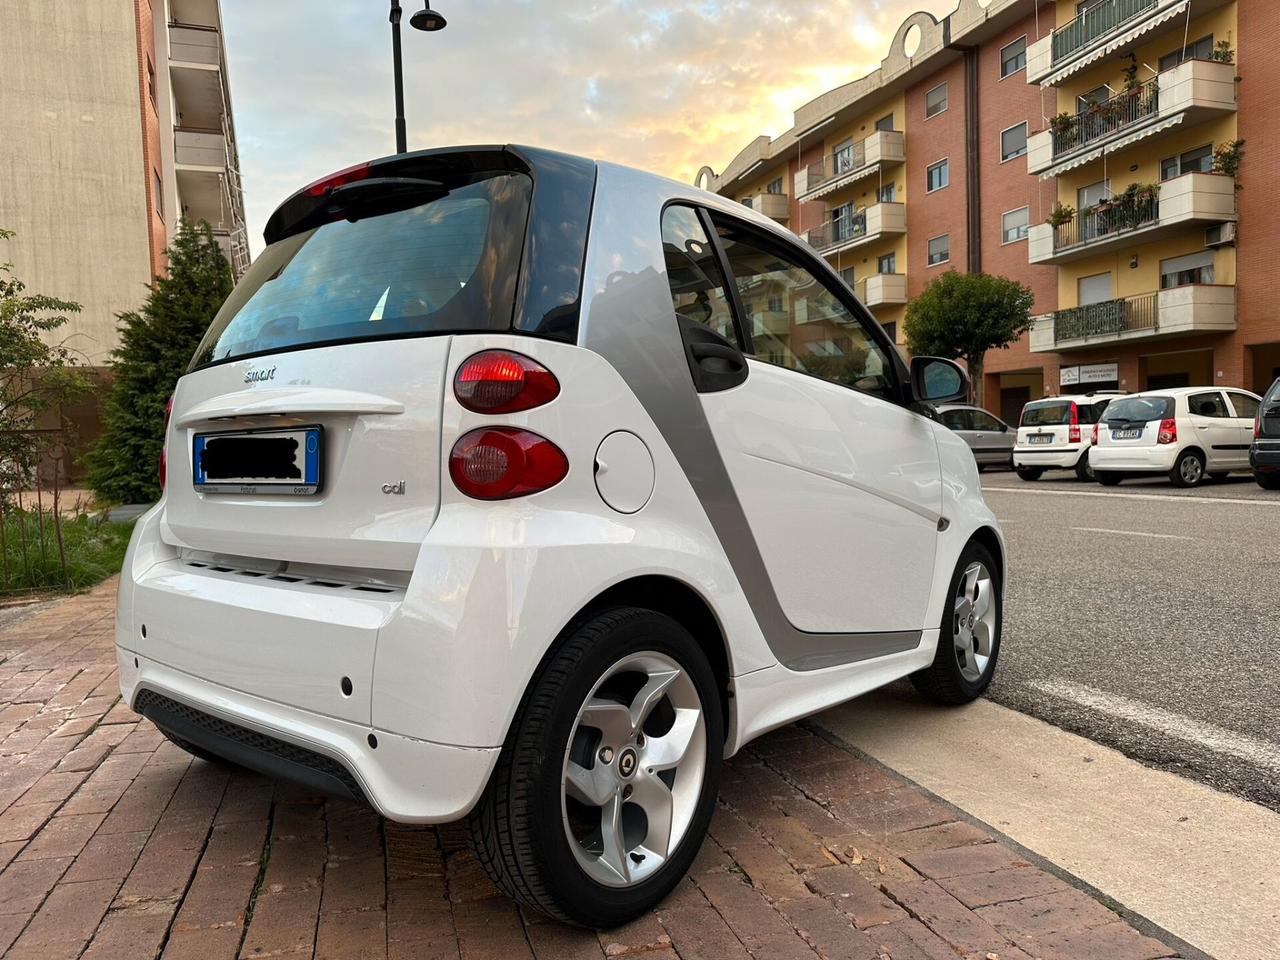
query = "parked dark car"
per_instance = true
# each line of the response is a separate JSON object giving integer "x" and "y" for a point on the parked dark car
{"x": 1264, "y": 453}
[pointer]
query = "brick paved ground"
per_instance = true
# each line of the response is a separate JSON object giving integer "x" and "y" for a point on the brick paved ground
{"x": 114, "y": 844}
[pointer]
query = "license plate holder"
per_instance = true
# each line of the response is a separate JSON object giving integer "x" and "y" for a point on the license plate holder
{"x": 276, "y": 461}
{"x": 1040, "y": 438}
{"x": 1129, "y": 433}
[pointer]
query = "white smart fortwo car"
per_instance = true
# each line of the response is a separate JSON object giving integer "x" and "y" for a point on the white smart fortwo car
{"x": 513, "y": 487}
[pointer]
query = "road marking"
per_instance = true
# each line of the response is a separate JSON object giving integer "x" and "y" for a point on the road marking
{"x": 1131, "y": 496}
{"x": 1131, "y": 533}
{"x": 1215, "y": 738}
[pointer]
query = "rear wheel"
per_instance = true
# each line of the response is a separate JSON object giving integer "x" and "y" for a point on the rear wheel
{"x": 1267, "y": 481}
{"x": 607, "y": 782}
{"x": 969, "y": 643}
{"x": 1188, "y": 470}
{"x": 1029, "y": 473}
{"x": 1083, "y": 470}
{"x": 1109, "y": 478}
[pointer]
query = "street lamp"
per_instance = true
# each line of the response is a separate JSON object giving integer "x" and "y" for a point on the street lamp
{"x": 427, "y": 20}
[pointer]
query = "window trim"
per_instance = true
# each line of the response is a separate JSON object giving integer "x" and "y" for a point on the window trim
{"x": 1022, "y": 239}
{"x": 737, "y": 311}
{"x": 946, "y": 105}
{"x": 927, "y": 189}
{"x": 1025, "y": 51}
{"x": 1177, "y": 157}
{"x": 927, "y": 264}
{"x": 825, "y": 274}
{"x": 1026, "y": 143}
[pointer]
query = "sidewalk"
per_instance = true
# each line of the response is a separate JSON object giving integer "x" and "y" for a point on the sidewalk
{"x": 114, "y": 844}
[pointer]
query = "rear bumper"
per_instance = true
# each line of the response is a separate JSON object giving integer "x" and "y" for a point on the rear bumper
{"x": 1064, "y": 458}
{"x": 1134, "y": 459}
{"x": 1265, "y": 456}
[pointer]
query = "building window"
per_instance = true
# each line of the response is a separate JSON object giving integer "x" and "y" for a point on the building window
{"x": 842, "y": 158}
{"x": 1013, "y": 57}
{"x": 1097, "y": 95}
{"x": 885, "y": 122}
{"x": 775, "y": 303}
{"x": 891, "y": 329}
{"x": 1093, "y": 289}
{"x": 887, "y": 263}
{"x": 938, "y": 175}
{"x": 159, "y": 197}
{"x": 1015, "y": 225}
{"x": 1013, "y": 142}
{"x": 1199, "y": 160}
{"x": 1183, "y": 271}
{"x": 151, "y": 81}
{"x": 935, "y": 101}
{"x": 888, "y": 193}
{"x": 1202, "y": 49}
{"x": 939, "y": 250}
{"x": 848, "y": 276}
{"x": 774, "y": 187}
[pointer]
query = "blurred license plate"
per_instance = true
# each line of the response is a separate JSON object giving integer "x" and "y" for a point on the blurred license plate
{"x": 258, "y": 461}
{"x": 1132, "y": 434}
{"x": 1040, "y": 438}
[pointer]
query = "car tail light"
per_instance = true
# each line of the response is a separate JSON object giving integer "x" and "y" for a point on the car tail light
{"x": 1095, "y": 434}
{"x": 497, "y": 463}
{"x": 164, "y": 444}
{"x": 1257, "y": 425}
{"x": 500, "y": 381}
{"x": 1073, "y": 435}
{"x": 1168, "y": 431}
{"x": 340, "y": 179}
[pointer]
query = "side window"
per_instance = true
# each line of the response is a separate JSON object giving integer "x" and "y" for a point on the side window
{"x": 985, "y": 421}
{"x": 1246, "y": 406}
{"x": 1207, "y": 405}
{"x": 697, "y": 287}
{"x": 957, "y": 419}
{"x": 815, "y": 333}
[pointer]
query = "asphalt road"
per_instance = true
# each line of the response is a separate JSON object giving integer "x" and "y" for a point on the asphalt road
{"x": 1147, "y": 619}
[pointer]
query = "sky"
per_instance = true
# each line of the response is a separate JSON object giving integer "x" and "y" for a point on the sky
{"x": 664, "y": 85}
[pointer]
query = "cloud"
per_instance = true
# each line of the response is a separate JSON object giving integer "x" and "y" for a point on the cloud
{"x": 665, "y": 86}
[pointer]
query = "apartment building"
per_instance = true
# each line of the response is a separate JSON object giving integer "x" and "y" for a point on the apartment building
{"x": 115, "y": 122}
{"x": 1087, "y": 149}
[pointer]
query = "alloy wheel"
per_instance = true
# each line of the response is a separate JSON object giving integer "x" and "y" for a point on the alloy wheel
{"x": 1191, "y": 470}
{"x": 974, "y": 621}
{"x": 633, "y": 769}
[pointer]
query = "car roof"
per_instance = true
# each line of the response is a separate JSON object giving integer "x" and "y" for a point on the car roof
{"x": 1184, "y": 391}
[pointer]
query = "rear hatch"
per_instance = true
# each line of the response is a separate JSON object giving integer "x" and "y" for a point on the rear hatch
{"x": 1047, "y": 423}
{"x": 1269, "y": 414}
{"x": 331, "y": 353}
{"x": 1134, "y": 422}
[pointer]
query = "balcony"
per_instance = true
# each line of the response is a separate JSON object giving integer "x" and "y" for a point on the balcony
{"x": 863, "y": 227}
{"x": 1178, "y": 311}
{"x": 1194, "y": 198}
{"x": 1187, "y": 94}
{"x": 1106, "y": 29}
{"x": 884, "y": 148}
{"x": 195, "y": 70}
{"x": 205, "y": 170}
{"x": 882, "y": 290}
{"x": 775, "y": 206}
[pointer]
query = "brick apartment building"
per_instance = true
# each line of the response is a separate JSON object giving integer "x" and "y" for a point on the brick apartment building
{"x": 1102, "y": 116}
{"x": 115, "y": 122}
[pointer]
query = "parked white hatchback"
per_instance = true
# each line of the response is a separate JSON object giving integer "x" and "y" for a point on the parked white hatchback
{"x": 1188, "y": 433}
{"x": 516, "y": 488}
{"x": 1055, "y": 434}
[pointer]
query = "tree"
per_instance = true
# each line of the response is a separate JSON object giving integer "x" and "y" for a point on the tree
{"x": 961, "y": 316}
{"x": 156, "y": 345}
{"x": 37, "y": 376}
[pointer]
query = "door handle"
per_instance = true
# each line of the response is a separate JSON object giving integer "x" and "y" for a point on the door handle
{"x": 703, "y": 352}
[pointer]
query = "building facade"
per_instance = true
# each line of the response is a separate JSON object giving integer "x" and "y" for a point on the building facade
{"x": 1091, "y": 150}
{"x": 115, "y": 123}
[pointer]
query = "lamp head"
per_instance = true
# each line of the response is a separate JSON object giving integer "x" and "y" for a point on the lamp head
{"x": 428, "y": 20}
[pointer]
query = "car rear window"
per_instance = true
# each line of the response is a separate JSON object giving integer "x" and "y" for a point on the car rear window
{"x": 447, "y": 265}
{"x": 1048, "y": 413}
{"x": 1139, "y": 409}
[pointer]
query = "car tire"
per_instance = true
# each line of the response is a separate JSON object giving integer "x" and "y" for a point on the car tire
{"x": 1188, "y": 469}
{"x": 1084, "y": 471}
{"x": 1267, "y": 481}
{"x": 1109, "y": 478}
{"x": 533, "y": 831}
{"x": 965, "y": 660}
{"x": 198, "y": 752}
{"x": 1029, "y": 473}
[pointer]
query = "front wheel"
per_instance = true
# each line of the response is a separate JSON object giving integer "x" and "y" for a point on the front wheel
{"x": 1188, "y": 470}
{"x": 607, "y": 781}
{"x": 969, "y": 642}
{"x": 1029, "y": 473}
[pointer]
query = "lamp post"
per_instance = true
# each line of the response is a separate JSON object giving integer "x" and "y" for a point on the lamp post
{"x": 427, "y": 20}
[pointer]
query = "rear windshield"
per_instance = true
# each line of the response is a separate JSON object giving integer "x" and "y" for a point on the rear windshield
{"x": 447, "y": 265}
{"x": 1139, "y": 409}
{"x": 1047, "y": 414}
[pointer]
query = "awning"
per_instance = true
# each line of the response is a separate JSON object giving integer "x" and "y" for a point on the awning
{"x": 1112, "y": 146}
{"x": 1111, "y": 46}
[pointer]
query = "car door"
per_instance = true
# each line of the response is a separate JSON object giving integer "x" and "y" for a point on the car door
{"x": 992, "y": 440}
{"x": 1215, "y": 430}
{"x": 838, "y": 481}
{"x": 1245, "y": 407}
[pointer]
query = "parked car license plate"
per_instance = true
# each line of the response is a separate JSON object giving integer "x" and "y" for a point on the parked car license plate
{"x": 258, "y": 461}
{"x": 1040, "y": 438}
{"x": 1134, "y": 433}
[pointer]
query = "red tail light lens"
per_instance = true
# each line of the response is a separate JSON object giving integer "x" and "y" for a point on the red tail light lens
{"x": 1168, "y": 431}
{"x": 350, "y": 175}
{"x": 1257, "y": 425}
{"x": 497, "y": 463}
{"x": 499, "y": 381}
{"x": 1073, "y": 435}
{"x": 1095, "y": 434}
{"x": 164, "y": 445}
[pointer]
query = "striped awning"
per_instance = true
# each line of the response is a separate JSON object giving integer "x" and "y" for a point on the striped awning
{"x": 1118, "y": 42}
{"x": 1113, "y": 146}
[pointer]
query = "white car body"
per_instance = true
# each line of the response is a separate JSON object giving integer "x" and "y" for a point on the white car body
{"x": 1061, "y": 444}
{"x": 1223, "y": 439}
{"x": 379, "y": 635}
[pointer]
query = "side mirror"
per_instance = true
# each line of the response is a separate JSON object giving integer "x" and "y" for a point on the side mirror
{"x": 935, "y": 380}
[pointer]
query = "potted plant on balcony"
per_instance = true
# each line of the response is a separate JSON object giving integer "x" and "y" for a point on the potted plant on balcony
{"x": 1222, "y": 52}
{"x": 1227, "y": 157}
{"x": 1062, "y": 215}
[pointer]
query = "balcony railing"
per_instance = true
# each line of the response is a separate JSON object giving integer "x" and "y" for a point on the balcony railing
{"x": 1108, "y": 219}
{"x": 1101, "y": 120}
{"x": 839, "y": 230}
{"x": 1108, "y": 319}
{"x": 1095, "y": 22}
{"x": 844, "y": 161}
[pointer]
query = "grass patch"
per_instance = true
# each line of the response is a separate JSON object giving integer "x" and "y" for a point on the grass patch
{"x": 40, "y": 552}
